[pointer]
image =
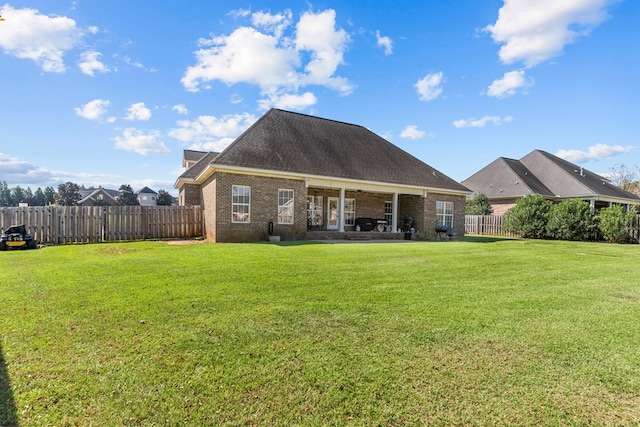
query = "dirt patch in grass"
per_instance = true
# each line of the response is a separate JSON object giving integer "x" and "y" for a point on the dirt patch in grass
{"x": 184, "y": 242}
{"x": 114, "y": 250}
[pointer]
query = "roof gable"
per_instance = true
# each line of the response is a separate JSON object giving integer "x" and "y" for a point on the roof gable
{"x": 505, "y": 178}
{"x": 146, "y": 190}
{"x": 93, "y": 194}
{"x": 191, "y": 156}
{"x": 297, "y": 143}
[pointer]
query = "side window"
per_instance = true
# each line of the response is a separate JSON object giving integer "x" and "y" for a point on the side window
{"x": 240, "y": 203}
{"x": 285, "y": 206}
{"x": 444, "y": 213}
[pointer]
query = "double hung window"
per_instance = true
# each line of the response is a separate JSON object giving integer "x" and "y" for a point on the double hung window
{"x": 240, "y": 204}
{"x": 285, "y": 206}
{"x": 444, "y": 213}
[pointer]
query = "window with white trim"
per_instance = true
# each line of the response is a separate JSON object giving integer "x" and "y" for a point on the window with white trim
{"x": 285, "y": 206}
{"x": 240, "y": 203}
{"x": 444, "y": 213}
{"x": 349, "y": 211}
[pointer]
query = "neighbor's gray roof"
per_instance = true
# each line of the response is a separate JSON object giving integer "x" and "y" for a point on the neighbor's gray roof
{"x": 566, "y": 179}
{"x": 297, "y": 143}
{"x": 146, "y": 190}
{"x": 506, "y": 178}
{"x": 541, "y": 173}
{"x": 84, "y": 192}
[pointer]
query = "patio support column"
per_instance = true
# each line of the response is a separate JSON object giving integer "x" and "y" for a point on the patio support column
{"x": 341, "y": 211}
{"x": 592, "y": 206}
{"x": 394, "y": 214}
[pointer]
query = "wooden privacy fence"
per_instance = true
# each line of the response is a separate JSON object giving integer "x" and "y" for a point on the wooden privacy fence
{"x": 484, "y": 224}
{"x": 91, "y": 224}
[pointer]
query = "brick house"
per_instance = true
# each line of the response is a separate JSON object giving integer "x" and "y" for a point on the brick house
{"x": 505, "y": 180}
{"x": 302, "y": 177}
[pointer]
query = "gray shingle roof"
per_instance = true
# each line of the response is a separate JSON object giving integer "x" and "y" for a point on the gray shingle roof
{"x": 194, "y": 171}
{"x": 506, "y": 178}
{"x": 566, "y": 179}
{"x": 193, "y": 155}
{"x": 297, "y": 143}
{"x": 146, "y": 190}
{"x": 542, "y": 173}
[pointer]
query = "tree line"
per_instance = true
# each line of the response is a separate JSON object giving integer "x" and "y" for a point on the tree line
{"x": 68, "y": 194}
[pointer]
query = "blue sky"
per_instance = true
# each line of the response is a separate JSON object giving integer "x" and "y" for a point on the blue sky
{"x": 111, "y": 93}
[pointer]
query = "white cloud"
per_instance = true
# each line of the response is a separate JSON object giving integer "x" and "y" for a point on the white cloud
{"x": 19, "y": 172}
{"x": 264, "y": 56}
{"x": 138, "y": 111}
{"x": 509, "y": 84}
{"x": 384, "y": 42}
{"x": 140, "y": 142}
{"x": 412, "y": 132}
{"x": 533, "y": 31}
{"x": 43, "y": 39}
{"x": 180, "y": 109}
{"x": 275, "y": 24}
{"x": 480, "y": 123}
{"x": 244, "y": 56}
{"x": 212, "y": 133}
{"x": 240, "y": 13}
{"x": 93, "y": 110}
{"x": 288, "y": 101}
{"x": 90, "y": 63}
{"x": 317, "y": 33}
{"x": 595, "y": 152}
{"x": 429, "y": 87}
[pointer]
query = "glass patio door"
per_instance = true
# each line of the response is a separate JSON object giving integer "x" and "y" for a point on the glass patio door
{"x": 333, "y": 213}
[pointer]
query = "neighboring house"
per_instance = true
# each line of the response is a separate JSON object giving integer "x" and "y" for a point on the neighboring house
{"x": 147, "y": 197}
{"x": 294, "y": 175}
{"x": 505, "y": 180}
{"x": 98, "y": 197}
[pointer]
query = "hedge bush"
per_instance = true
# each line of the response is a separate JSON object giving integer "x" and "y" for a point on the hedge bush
{"x": 615, "y": 224}
{"x": 529, "y": 217}
{"x": 571, "y": 220}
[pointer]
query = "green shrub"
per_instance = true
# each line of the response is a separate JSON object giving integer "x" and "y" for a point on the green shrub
{"x": 571, "y": 220}
{"x": 479, "y": 205}
{"x": 528, "y": 217}
{"x": 615, "y": 224}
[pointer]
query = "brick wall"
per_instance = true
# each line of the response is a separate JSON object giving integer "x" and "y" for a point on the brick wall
{"x": 430, "y": 213}
{"x": 502, "y": 206}
{"x": 190, "y": 195}
{"x": 263, "y": 210}
{"x": 216, "y": 199}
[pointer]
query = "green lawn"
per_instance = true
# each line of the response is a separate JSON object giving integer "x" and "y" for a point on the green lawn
{"x": 470, "y": 332}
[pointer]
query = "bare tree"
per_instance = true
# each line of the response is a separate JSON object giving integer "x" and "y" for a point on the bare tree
{"x": 625, "y": 178}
